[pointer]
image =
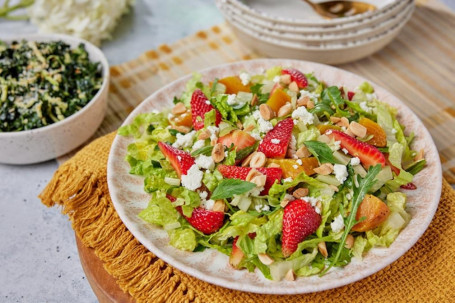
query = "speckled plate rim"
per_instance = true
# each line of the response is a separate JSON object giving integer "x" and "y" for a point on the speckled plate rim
{"x": 212, "y": 266}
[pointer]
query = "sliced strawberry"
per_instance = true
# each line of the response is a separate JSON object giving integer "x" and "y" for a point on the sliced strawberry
{"x": 276, "y": 141}
{"x": 200, "y": 105}
{"x": 299, "y": 221}
{"x": 409, "y": 186}
{"x": 239, "y": 138}
{"x": 275, "y": 87}
{"x": 296, "y": 76}
{"x": 237, "y": 172}
{"x": 350, "y": 95}
{"x": 237, "y": 255}
{"x": 180, "y": 160}
{"x": 368, "y": 154}
{"x": 204, "y": 220}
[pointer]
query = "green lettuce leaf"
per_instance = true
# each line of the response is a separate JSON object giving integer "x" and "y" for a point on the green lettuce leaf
{"x": 160, "y": 210}
{"x": 183, "y": 239}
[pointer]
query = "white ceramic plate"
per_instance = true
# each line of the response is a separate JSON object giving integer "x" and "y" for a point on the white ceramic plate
{"x": 211, "y": 266}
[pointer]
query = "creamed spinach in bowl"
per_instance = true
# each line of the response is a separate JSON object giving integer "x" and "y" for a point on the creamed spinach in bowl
{"x": 44, "y": 82}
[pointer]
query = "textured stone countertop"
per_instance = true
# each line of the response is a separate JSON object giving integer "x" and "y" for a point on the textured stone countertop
{"x": 38, "y": 255}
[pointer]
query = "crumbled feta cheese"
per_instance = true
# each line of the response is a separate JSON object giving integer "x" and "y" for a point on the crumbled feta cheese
{"x": 295, "y": 166}
{"x": 256, "y": 136}
{"x": 365, "y": 107}
{"x": 231, "y": 100}
{"x": 179, "y": 158}
{"x": 341, "y": 173}
{"x": 213, "y": 132}
{"x": 208, "y": 204}
{"x": 205, "y": 162}
{"x": 260, "y": 208}
{"x": 264, "y": 126}
{"x": 312, "y": 200}
{"x": 256, "y": 115}
{"x": 336, "y": 145}
{"x": 299, "y": 162}
{"x": 317, "y": 210}
{"x": 345, "y": 151}
{"x": 245, "y": 78}
{"x": 303, "y": 115}
{"x": 203, "y": 195}
{"x": 371, "y": 97}
{"x": 394, "y": 131}
{"x": 275, "y": 141}
{"x": 328, "y": 132}
{"x": 192, "y": 179}
{"x": 170, "y": 116}
{"x": 276, "y": 79}
{"x": 349, "y": 196}
{"x": 265, "y": 207}
{"x": 184, "y": 140}
{"x": 313, "y": 97}
{"x": 198, "y": 144}
{"x": 355, "y": 161}
{"x": 287, "y": 180}
{"x": 207, "y": 102}
{"x": 337, "y": 224}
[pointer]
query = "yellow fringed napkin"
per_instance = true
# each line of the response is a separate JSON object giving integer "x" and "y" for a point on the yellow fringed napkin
{"x": 426, "y": 273}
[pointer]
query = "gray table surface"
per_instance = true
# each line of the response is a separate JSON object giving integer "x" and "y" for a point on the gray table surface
{"x": 38, "y": 255}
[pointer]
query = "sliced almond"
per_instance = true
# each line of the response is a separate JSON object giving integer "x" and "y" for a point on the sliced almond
{"x": 258, "y": 160}
{"x": 251, "y": 174}
{"x": 214, "y": 141}
{"x": 419, "y": 155}
{"x": 274, "y": 165}
{"x": 265, "y": 259}
{"x": 303, "y": 101}
{"x": 239, "y": 124}
{"x": 348, "y": 132}
{"x": 247, "y": 160}
{"x": 300, "y": 192}
{"x": 259, "y": 180}
{"x": 310, "y": 105}
{"x": 205, "y": 134}
{"x": 343, "y": 122}
{"x": 254, "y": 101}
{"x": 287, "y": 198}
{"x": 323, "y": 249}
{"x": 249, "y": 128}
{"x": 285, "y": 110}
{"x": 333, "y": 187}
{"x": 290, "y": 153}
{"x": 324, "y": 139}
{"x": 293, "y": 87}
{"x": 358, "y": 129}
{"x": 219, "y": 206}
{"x": 324, "y": 169}
{"x": 218, "y": 153}
{"x": 303, "y": 152}
{"x": 290, "y": 275}
{"x": 349, "y": 241}
{"x": 182, "y": 129}
{"x": 335, "y": 119}
{"x": 266, "y": 112}
{"x": 179, "y": 109}
{"x": 285, "y": 79}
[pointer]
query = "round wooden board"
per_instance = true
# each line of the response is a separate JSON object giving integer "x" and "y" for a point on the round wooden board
{"x": 103, "y": 284}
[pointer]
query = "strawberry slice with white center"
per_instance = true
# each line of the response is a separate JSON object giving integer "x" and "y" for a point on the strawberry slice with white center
{"x": 200, "y": 105}
{"x": 276, "y": 141}
{"x": 299, "y": 221}
{"x": 296, "y": 76}
{"x": 241, "y": 139}
{"x": 180, "y": 160}
{"x": 236, "y": 172}
{"x": 367, "y": 153}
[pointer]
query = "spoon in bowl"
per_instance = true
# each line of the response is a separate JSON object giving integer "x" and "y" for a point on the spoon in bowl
{"x": 339, "y": 9}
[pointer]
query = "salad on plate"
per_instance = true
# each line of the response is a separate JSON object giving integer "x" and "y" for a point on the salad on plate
{"x": 277, "y": 170}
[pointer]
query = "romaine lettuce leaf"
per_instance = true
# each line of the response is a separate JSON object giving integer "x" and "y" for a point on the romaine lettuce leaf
{"x": 183, "y": 238}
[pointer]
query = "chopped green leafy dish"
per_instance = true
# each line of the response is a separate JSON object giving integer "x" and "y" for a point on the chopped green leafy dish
{"x": 44, "y": 82}
{"x": 278, "y": 171}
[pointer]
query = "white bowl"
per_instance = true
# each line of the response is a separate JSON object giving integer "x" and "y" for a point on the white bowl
{"x": 329, "y": 54}
{"x": 54, "y": 140}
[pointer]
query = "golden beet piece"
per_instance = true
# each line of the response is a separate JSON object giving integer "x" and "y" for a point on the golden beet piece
{"x": 375, "y": 212}
{"x": 291, "y": 168}
{"x": 234, "y": 85}
{"x": 324, "y": 127}
{"x": 183, "y": 120}
{"x": 379, "y": 136}
{"x": 278, "y": 98}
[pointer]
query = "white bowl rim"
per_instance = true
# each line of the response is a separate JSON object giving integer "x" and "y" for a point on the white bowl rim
{"x": 65, "y": 38}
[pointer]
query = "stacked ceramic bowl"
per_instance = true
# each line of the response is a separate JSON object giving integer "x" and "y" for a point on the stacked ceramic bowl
{"x": 293, "y": 29}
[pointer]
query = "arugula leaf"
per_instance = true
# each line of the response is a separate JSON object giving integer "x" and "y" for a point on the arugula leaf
{"x": 213, "y": 89}
{"x": 321, "y": 151}
{"x": 230, "y": 187}
{"x": 416, "y": 167}
{"x": 176, "y": 100}
{"x": 244, "y": 152}
{"x": 256, "y": 90}
{"x": 359, "y": 193}
{"x": 332, "y": 95}
{"x": 206, "y": 151}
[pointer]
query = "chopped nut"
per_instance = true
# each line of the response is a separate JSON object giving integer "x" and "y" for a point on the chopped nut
{"x": 293, "y": 87}
{"x": 266, "y": 112}
{"x": 290, "y": 275}
{"x": 358, "y": 129}
{"x": 285, "y": 79}
{"x": 333, "y": 187}
{"x": 259, "y": 180}
{"x": 251, "y": 174}
{"x": 303, "y": 152}
{"x": 254, "y": 101}
{"x": 247, "y": 160}
{"x": 324, "y": 169}
{"x": 324, "y": 139}
{"x": 323, "y": 249}
{"x": 343, "y": 122}
{"x": 290, "y": 153}
{"x": 213, "y": 141}
{"x": 249, "y": 128}
{"x": 300, "y": 192}
{"x": 303, "y": 101}
{"x": 319, "y": 204}
{"x": 419, "y": 155}
{"x": 182, "y": 129}
{"x": 284, "y": 202}
{"x": 274, "y": 165}
{"x": 219, "y": 206}
{"x": 258, "y": 160}
{"x": 265, "y": 259}
{"x": 310, "y": 104}
{"x": 349, "y": 241}
{"x": 179, "y": 109}
{"x": 348, "y": 132}
{"x": 205, "y": 134}
{"x": 335, "y": 119}
{"x": 218, "y": 153}
{"x": 239, "y": 124}
{"x": 285, "y": 110}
